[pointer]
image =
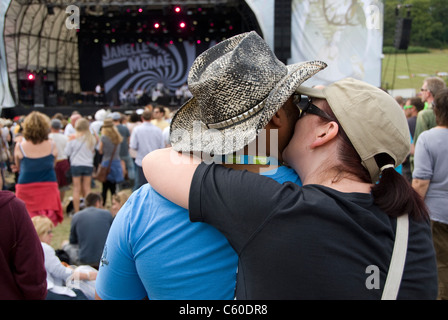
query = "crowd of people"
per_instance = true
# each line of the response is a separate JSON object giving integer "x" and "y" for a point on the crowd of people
{"x": 75, "y": 146}
{"x": 45, "y": 158}
{"x": 324, "y": 212}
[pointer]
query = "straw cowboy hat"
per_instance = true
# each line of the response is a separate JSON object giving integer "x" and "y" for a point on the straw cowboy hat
{"x": 237, "y": 86}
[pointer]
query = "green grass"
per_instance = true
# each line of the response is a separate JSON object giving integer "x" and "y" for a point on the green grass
{"x": 416, "y": 67}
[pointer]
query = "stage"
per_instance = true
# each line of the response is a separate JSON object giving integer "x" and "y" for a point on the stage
{"x": 86, "y": 109}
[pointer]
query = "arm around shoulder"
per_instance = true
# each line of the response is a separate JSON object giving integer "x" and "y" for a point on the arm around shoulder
{"x": 170, "y": 173}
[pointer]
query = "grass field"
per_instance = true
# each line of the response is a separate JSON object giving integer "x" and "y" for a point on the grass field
{"x": 401, "y": 71}
{"x": 62, "y": 231}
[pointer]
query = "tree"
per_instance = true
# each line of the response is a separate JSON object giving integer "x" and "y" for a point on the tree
{"x": 428, "y": 21}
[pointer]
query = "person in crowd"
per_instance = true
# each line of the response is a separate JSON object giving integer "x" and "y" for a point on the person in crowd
{"x": 144, "y": 139}
{"x": 400, "y": 100}
{"x": 5, "y": 150}
{"x": 426, "y": 118}
{"x": 411, "y": 108}
{"x": 127, "y": 163}
{"x": 21, "y": 257}
{"x": 88, "y": 232}
{"x": 57, "y": 273}
{"x": 62, "y": 164}
{"x": 430, "y": 179}
{"x": 109, "y": 148}
{"x": 158, "y": 115}
{"x": 334, "y": 237}
{"x": 134, "y": 121}
{"x": 195, "y": 261}
{"x": 81, "y": 150}
{"x": 35, "y": 157}
{"x": 118, "y": 200}
{"x": 95, "y": 128}
{"x": 70, "y": 127}
{"x": 168, "y": 115}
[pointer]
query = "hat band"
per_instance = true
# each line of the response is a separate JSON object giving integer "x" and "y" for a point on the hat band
{"x": 239, "y": 118}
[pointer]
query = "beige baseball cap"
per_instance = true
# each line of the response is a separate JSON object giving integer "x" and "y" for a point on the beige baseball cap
{"x": 371, "y": 118}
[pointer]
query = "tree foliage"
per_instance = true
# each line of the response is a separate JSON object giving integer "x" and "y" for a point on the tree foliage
{"x": 429, "y": 21}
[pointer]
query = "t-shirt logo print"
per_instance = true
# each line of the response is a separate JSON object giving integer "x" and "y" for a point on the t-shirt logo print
{"x": 103, "y": 260}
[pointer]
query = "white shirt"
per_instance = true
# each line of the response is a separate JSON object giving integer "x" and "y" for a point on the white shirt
{"x": 60, "y": 140}
{"x": 145, "y": 138}
{"x": 56, "y": 272}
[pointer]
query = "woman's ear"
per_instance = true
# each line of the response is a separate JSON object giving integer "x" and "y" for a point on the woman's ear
{"x": 325, "y": 133}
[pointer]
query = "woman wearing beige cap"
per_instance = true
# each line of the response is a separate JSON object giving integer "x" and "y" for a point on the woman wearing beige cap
{"x": 355, "y": 230}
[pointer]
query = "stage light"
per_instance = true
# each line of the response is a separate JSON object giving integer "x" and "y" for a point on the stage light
{"x": 156, "y": 25}
{"x": 140, "y": 10}
{"x": 30, "y": 76}
{"x": 198, "y": 41}
{"x": 182, "y": 24}
{"x": 177, "y": 9}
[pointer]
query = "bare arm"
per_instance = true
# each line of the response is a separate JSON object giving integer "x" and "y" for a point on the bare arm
{"x": 421, "y": 186}
{"x": 170, "y": 173}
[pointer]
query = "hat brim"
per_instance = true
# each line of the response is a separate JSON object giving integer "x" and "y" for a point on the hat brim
{"x": 189, "y": 133}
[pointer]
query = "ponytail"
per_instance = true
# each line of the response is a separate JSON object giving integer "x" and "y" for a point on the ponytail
{"x": 396, "y": 196}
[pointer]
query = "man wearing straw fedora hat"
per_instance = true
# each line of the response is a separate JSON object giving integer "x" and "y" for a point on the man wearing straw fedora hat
{"x": 242, "y": 113}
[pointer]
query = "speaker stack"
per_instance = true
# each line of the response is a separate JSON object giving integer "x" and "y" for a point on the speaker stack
{"x": 282, "y": 30}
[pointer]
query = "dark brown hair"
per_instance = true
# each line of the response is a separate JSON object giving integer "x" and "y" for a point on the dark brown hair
{"x": 92, "y": 198}
{"x": 417, "y": 103}
{"x": 392, "y": 193}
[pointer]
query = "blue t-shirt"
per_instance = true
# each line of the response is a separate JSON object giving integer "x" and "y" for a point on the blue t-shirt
{"x": 154, "y": 251}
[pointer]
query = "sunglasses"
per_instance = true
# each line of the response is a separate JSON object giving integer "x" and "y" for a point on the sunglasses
{"x": 310, "y": 108}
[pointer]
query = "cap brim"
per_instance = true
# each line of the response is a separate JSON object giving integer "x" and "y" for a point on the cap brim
{"x": 311, "y": 92}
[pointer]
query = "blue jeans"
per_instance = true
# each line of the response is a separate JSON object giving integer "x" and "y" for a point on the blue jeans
{"x": 78, "y": 171}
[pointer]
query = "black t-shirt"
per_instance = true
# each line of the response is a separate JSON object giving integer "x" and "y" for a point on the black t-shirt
{"x": 308, "y": 242}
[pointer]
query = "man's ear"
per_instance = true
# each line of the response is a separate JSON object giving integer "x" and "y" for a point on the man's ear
{"x": 278, "y": 119}
{"x": 325, "y": 133}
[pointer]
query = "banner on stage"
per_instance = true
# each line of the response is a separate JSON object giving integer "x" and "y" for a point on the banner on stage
{"x": 143, "y": 66}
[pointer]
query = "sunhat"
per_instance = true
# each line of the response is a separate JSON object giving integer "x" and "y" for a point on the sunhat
{"x": 100, "y": 115}
{"x": 237, "y": 86}
{"x": 107, "y": 123}
{"x": 372, "y": 119}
